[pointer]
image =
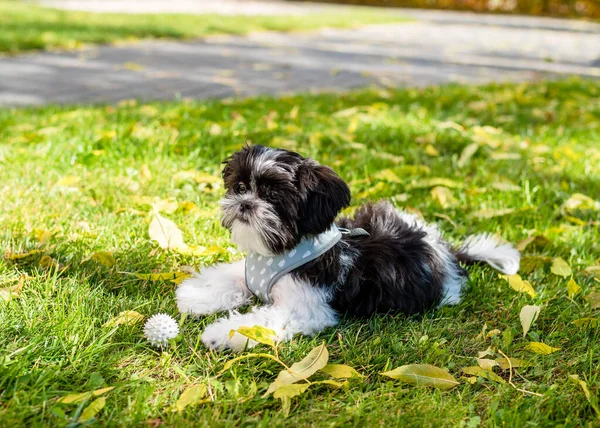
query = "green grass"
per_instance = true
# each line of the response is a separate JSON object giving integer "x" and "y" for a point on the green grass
{"x": 81, "y": 175}
{"x": 25, "y": 27}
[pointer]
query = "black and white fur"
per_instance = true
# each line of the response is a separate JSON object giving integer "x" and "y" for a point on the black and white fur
{"x": 274, "y": 199}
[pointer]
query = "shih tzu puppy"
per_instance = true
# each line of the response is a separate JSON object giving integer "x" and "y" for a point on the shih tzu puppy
{"x": 280, "y": 208}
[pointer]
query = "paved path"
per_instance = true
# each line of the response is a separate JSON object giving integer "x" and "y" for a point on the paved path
{"x": 221, "y": 7}
{"x": 438, "y": 47}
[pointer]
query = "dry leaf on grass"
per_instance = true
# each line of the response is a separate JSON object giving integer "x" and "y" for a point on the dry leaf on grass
{"x": 560, "y": 267}
{"x": 528, "y": 315}
{"x": 124, "y": 318}
{"x": 13, "y": 291}
{"x": 541, "y": 348}
{"x": 480, "y": 372}
{"x": 92, "y": 409}
{"x": 592, "y": 399}
{"x": 444, "y": 197}
{"x": 257, "y": 333}
{"x": 191, "y": 396}
{"x": 315, "y": 360}
{"x": 536, "y": 240}
{"x": 519, "y": 284}
{"x": 340, "y": 371}
{"x": 81, "y": 397}
{"x": 165, "y": 232}
{"x": 423, "y": 375}
{"x": 572, "y": 288}
{"x": 105, "y": 258}
{"x": 175, "y": 277}
{"x": 586, "y": 322}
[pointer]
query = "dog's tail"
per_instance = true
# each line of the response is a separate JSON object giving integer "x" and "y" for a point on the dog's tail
{"x": 486, "y": 248}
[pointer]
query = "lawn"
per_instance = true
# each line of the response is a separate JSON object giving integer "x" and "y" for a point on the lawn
{"x": 77, "y": 188}
{"x": 25, "y": 27}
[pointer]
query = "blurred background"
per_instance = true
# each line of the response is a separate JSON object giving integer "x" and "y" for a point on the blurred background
{"x": 567, "y": 8}
{"x": 72, "y": 51}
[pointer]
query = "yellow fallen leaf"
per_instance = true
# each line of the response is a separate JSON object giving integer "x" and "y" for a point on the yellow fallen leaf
{"x": 572, "y": 288}
{"x": 188, "y": 207}
{"x": 541, "y": 348}
{"x": 537, "y": 240}
{"x": 68, "y": 181}
{"x": 531, "y": 263}
{"x": 423, "y": 375}
{"x": 504, "y": 156}
{"x": 315, "y": 360}
{"x": 492, "y": 333}
{"x": 488, "y": 351}
{"x": 575, "y": 220}
{"x": 44, "y": 235}
{"x": 257, "y": 333}
{"x": 92, "y": 409}
{"x": 168, "y": 205}
{"x": 560, "y": 267}
{"x": 124, "y": 318}
{"x": 467, "y": 154}
{"x": 444, "y": 196}
{"x": 518, "y": 284}
{"x": 199, "y": 251}
{"x": 433, "y": 182}
{"x": 105, "y": 258}
{"x": 593, "y": 271}
{"x": 191, "y": 396}
{"x": 579, "y": 201}
{"x": 528, "y": 315}
{"x": 13, "y": 292}
{"x": 592, "y": 399}
{"x": 486, "y": 363}
{"x": 374, "y": 190}
{"x": 431, "y": 151}
{"x": 80, "y": 397}
{"x": 145, "y": 172}
{"x": 491, "y": 213}
{"x": 165, "y": 232}
{"x": 47, "y": 262}
{"x": 594, "y": 300}
{"x": 486, "y": 374}
{"x": 148, "y": 110}
{"x": 175, "y": 277}
{"x": 514, "y": 363}
{"x": 197, "y": 177}
{"x": 388, "y": 175}
{"x": 506, "y": 186}
{"x": 340, "y": 371}
{"x": 215, "y": 129}
{"x": 12, "y": 256}
{"x": 586, "y": 322}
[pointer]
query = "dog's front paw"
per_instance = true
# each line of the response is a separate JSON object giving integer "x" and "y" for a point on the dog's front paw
{"x": 195, "y": 297}
{"x": 216, "y": 336}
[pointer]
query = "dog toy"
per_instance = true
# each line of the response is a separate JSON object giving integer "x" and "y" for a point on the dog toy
{"x": 159, "y": 329}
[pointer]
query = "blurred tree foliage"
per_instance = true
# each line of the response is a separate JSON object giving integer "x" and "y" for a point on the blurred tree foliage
{"x": 565, "y": 8}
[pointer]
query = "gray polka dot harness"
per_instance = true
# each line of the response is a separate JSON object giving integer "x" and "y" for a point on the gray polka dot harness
{"x": 262, "y": 272}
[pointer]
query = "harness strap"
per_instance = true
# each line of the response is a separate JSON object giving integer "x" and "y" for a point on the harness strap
{"x": 358, "y": 231}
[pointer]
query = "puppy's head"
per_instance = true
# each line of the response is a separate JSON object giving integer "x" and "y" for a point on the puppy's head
{"x": 276, "y": 197}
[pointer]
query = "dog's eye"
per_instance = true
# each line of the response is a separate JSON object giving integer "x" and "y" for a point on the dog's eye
{"x": 240, "y": 187}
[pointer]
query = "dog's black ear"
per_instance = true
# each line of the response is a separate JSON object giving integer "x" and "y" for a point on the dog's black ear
{"x": 324, "y": 194}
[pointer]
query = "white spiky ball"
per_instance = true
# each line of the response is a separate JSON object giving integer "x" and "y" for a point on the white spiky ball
{"x": 159, "y": 329}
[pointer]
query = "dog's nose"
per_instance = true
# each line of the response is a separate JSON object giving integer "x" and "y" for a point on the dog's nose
{"x": 245, "y": 206}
